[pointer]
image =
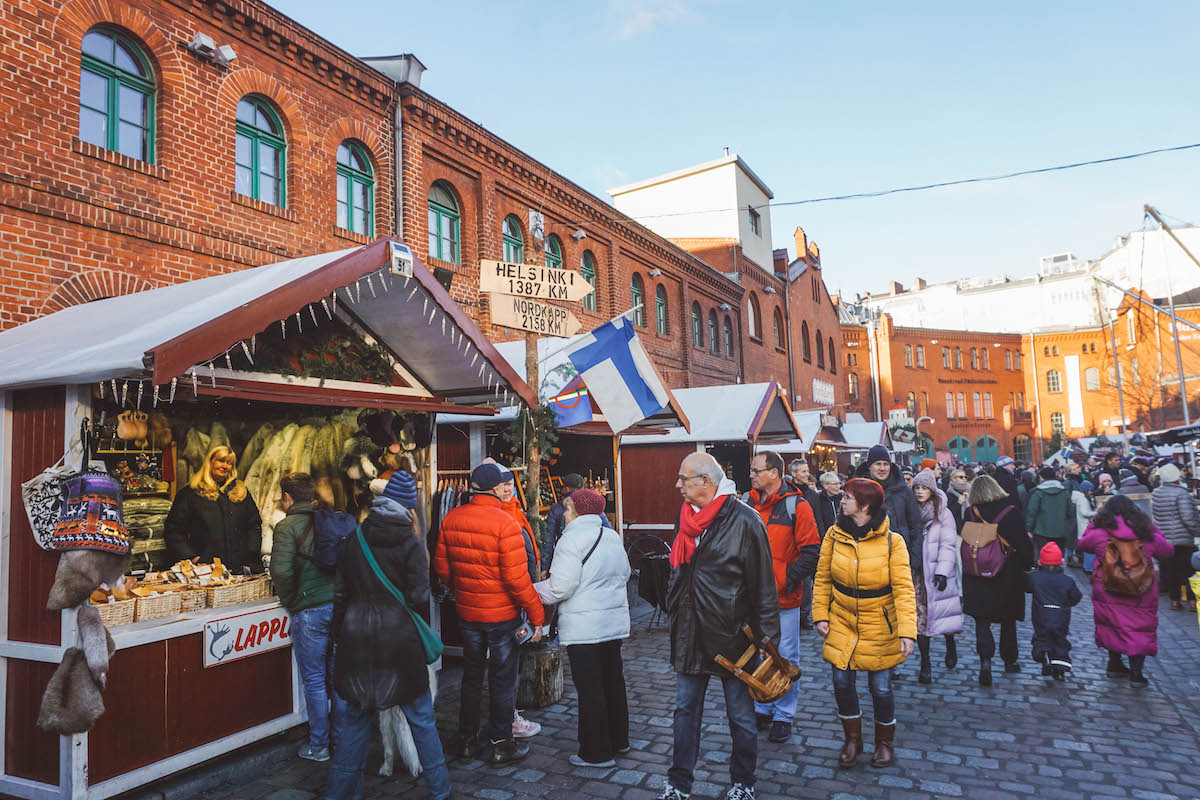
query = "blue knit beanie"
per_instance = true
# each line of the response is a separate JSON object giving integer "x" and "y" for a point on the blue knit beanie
{"x": 402, "y": 488}
{"x": 878, "y": 453}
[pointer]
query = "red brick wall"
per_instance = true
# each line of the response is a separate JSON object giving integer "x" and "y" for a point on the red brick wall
{"x": 856, "y": 360}
{"x": 78, "y": 222}
{"x": 810, "y": 304}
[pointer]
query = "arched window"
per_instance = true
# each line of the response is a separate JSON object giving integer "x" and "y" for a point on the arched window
{"x": 1008, "y": 359}
{"x": 987, "y": 448}
{"x": 1058, "y": 423}
{"x": 553, "y": 252}
{"x": 1016, "y": 359}
{"x": 1091, "y": 379}
{"x": 854, "y": 385}
{"x": 637, "y": 294}
{"x": 587, "y": 266}
{"x": 514, "y": 240}
{"x": 778, "y": 325}
{"x": 832, "y": 357}
{"x": 820, "y": 350}
{"x": 1023, "y": 447}
{"x": 949, "y": 405}
{"x": 977, "y": 402}
{"x": 660, "y": 308}
{"x": 987, "y": 405}
{"x": 1021, "y": 402}
{"x": 753, "y": 316}
{"x": 911, "y": 402}
{"x": 261, "y": 164}
{"x": 728, "y": 337}
{"x": 116, "y": 95}
{"x": 1083, "y": 348}
{"x": 961, "y": 447}
{"x": 921, "y": 356}
{"x": 805, "y": 346}
{"x": 1092, "y": 347}
{"x": 958, "y": 358}
{"x": 962, "y": 405}
{"x": 908, "y": 358}
{"x": 946, "y": 357}
{"x": 1053, "y": 381}
{"x": 923, "y": 404}
{"x": 697, "y": 326}
{"x": 355, "y": 189}
{"x": 714, "y": 341}
{"x": 983, "y": 358}
{"x": 974, "y": 359}
{"x": 1046, "y": 350}
{"x": 444, "y": 224}
{"x": 1054, "y": 350}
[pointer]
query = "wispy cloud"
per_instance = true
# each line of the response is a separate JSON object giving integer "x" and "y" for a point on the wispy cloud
{"x": 636, "y": 18}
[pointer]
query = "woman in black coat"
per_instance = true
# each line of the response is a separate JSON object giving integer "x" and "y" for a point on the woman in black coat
{"x": 214, "y": 515}
{"x": 379, "y": 660}
{"x": 999, "y": 600}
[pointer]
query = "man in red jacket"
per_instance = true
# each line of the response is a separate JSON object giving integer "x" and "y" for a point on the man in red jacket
{"x": 795, "y": 547}
{"x": 481, "y": 556}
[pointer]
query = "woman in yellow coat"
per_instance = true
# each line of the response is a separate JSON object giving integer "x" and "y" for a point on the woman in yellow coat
{"x": 865, "y": 607}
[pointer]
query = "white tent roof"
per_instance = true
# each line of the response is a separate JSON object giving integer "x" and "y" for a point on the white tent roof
{"x": 726, "y": 414}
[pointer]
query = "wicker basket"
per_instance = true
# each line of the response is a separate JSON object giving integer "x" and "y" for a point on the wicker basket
{"x": 193, "y": 600}
{"x": 219, "y": 596}
{"x": 158, "y": 606}
{"x": 118, "y": 612}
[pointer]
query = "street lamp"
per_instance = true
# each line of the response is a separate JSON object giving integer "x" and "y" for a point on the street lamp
{"x": 918, "y": 425}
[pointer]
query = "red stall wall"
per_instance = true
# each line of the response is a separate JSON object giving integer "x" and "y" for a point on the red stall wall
{"x": 648, "y": 475}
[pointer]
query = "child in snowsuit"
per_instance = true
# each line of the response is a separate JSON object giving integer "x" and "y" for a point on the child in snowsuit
{"x": 1054, "y": 592}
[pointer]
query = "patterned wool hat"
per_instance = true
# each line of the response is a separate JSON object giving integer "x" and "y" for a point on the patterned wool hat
{"x": 91, "y": 517}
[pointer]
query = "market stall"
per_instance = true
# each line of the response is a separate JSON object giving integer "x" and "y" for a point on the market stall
{"x": 332, "y": 364}
{"x": 822, "y": 444}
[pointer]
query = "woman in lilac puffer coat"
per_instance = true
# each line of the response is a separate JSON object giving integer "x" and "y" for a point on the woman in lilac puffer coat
{"x": 1125, "y": 625}
{"x": 939, "y": 606}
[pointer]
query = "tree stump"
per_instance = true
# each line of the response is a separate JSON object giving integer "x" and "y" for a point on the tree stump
{"x": 540, "y": 682}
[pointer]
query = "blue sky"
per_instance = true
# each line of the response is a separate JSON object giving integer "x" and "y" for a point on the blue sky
{"x": 831, "y": 98}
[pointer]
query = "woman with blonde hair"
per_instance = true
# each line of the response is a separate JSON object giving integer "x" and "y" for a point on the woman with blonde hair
{"x": 214, "y": 516}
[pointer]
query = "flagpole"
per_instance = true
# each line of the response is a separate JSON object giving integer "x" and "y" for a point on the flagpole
{"x": 551, "y": 355}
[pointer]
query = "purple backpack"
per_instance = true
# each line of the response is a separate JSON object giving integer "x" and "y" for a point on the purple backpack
{"x": 984, "y": 552}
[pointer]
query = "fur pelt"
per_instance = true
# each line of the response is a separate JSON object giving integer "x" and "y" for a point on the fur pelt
{"x": 95, "y": 641}
{"x": 397, "y": 736}
{"x": 254, "y": 448}
{"x": 160, "y": 430}
{"x": 195, "y": 448}
{"x": 80, "y": 572}
{"x": 72, "y": 701}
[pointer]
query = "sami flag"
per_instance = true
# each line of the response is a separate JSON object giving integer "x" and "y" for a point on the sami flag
{"x": 618, "y": 373}
{"x": 571, "y": 408}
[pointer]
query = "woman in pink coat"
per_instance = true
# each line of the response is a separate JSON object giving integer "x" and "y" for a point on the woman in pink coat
{"x": 939, "y": 606}
{"x": 1125, "y": 625}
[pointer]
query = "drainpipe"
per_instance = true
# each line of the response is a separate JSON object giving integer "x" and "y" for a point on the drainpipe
{"x": 1037, "y": 398}
{"x": 404, "y": 70}
{"x": 874, "y": 358}
{"x": 787, "y": 328}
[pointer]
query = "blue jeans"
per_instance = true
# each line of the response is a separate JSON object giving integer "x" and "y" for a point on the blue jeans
{"x": 314, "y": 659}
{"x": 784, "y": 708}
{"x": 846, "y": 693}
{"x": 689, "y": 711}
{"x": 352, "y": 741}
{"x": 495, "y": 641}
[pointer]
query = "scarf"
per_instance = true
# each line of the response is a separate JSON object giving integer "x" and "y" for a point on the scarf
{"x": 692, "y": 523}
{"x": 959, "y": 488}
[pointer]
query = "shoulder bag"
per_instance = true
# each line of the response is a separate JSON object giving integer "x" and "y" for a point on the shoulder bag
{"x": 430, "y": 641}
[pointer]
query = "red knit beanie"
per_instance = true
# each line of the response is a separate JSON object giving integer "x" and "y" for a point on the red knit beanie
{"x": 1051, "y": 556}
{"x": 928, "y": 463}
{"x": 587, "y": 501}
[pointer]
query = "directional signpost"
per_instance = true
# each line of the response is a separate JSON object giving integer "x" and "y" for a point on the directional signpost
{"x": 533, "y": 316}
{"x": 532, "y": 280}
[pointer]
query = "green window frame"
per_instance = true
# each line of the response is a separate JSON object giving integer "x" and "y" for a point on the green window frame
{"x": 553, "y": 252}
{"x": 728, "y": 337}
{"x": 514, "y": 241}
{"x": 587, "y": 267}
{"x": 637, "y": 293}
{"x": 660, "y": 308}
{"x": 260, "y": 152}
{"x": 355, "y": 189}
{"x": 714, "y": 341}
{"x": 444, "y": 224}
{"x": 697, "y": 326}
{"x": 117, "y": 93}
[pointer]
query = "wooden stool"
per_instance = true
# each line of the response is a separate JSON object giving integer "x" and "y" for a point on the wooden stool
{"x": 774, "y": 674}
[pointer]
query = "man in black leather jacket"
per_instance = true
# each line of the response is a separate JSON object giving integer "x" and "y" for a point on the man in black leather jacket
{"x": 722, "y": 579}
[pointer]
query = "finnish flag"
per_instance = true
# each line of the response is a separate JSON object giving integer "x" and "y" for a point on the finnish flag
{"x": 618, "y": 374}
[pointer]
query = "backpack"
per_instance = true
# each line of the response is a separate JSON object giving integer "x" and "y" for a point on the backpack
{"x": 329, "y": 530}
{"x": 984, "y": 552}
{"x": 1124, "y": 568}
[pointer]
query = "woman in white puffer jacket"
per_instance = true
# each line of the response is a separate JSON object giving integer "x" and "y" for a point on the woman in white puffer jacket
{"x": 588, "y": 579}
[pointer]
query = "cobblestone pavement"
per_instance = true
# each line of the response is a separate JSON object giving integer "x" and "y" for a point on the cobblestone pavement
{"x": 1027, "y": 736}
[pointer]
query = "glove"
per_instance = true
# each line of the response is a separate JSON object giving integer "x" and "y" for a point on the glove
{"x": 940, "y": 582}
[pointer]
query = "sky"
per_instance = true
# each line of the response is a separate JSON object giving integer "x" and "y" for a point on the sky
{"x": 832, "y": 98}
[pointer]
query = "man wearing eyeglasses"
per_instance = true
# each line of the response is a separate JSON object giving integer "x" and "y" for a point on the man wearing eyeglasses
{"x": 722, "y": 579}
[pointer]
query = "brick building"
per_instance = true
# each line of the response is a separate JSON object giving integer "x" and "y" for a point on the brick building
{"x": 130, "y": 162}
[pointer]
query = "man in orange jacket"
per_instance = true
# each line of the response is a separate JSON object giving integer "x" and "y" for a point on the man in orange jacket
{"x": 481, "y": 556}
{"x": 795, "y": 547}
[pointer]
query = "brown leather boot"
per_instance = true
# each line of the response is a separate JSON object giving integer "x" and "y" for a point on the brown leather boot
{"x": 884, "y": 735}
{"x": 853, "y": 746}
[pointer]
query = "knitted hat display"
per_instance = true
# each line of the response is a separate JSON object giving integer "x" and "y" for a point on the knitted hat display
{"x": 878, "y": 453}
{"x": 402, "y": 488}
{"x": 587, "y": 501}
{"x": 928, "y": 463}
{"x": 1169, "y": 473}
{"x": 91, "y": 517}
{"x": 1050, "y": 556}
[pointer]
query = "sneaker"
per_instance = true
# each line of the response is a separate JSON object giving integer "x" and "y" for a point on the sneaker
{"x": 506, "y": 751}
{"x": 309, "y": 754}
{"x": 669, "y": 792}
{"x": 523, "y": 728}
{"x": 763, "y": 721}
{"x": 781, "y": 731}
{"x": 740, "y": 792}
{"x": 578, "y": 761}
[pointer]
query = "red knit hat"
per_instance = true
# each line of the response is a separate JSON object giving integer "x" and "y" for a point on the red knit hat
{"x": 1051, "y": 556}
{"x": 587, "y": 501}
{"x": 928, "y": 463}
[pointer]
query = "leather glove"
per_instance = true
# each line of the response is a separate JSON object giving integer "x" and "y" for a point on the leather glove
{"x": 940, "y": 582}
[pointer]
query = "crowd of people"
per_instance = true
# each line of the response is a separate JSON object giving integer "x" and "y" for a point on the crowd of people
{"x": 882, "y": 564}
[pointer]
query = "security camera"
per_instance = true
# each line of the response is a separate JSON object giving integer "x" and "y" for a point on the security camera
{"x": 579, "y": 235}
{"x": 202, "y": 44}
{"x": 224, "y": 56}
{"x": 725, "y": 307}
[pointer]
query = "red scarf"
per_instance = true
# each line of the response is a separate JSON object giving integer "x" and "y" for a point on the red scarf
{"x": 692, "y": 524}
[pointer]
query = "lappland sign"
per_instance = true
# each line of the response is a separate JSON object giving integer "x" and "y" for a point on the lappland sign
{"x": 244, "y": 635}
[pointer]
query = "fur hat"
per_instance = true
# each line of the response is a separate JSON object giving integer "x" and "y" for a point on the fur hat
{"x": 878, "y": 453}
{"x": 1050, "y": 556}
{"x": 1169, "y": 473}
{"x": 587, "y": 501}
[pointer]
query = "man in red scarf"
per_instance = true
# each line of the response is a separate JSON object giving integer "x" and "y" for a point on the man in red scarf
{"x": 722, "y": 579}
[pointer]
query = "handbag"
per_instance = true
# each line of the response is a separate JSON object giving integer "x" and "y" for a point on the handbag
{"x": 45, "y": 493}
{"x": 430, "y": 642}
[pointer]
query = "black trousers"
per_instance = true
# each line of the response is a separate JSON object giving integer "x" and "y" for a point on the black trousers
{"x": 985, "y": 644}
{"x": 599, "y": 677}
{"x": 1176, "y": 571}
